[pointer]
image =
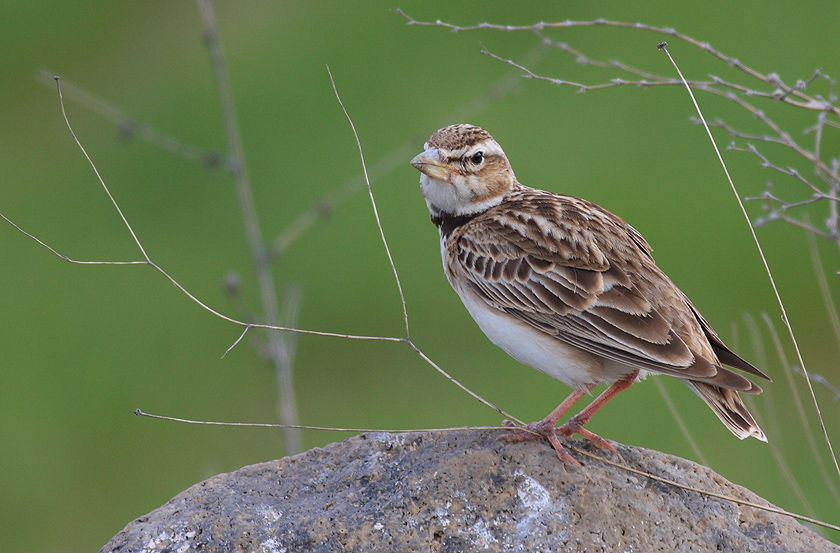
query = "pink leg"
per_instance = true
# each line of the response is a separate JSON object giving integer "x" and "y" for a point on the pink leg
{"x": 575, "y": 424}
{"x": 545, "y": 427}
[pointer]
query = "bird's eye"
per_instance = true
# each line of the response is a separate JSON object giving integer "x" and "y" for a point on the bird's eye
{"x": 477, "y": 158}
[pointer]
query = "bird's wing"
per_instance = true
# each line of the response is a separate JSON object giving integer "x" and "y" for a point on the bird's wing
{"x": 599, "y": 291}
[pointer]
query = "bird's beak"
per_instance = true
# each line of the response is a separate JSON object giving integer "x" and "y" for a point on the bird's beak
{"x": 431, "y": 165}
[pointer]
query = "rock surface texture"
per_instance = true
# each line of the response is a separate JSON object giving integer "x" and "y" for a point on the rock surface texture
{"x": 461, "y": 491}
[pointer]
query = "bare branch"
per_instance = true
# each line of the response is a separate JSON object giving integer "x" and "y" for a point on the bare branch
{"x": 129, "y": 127}
{"x": 581, "y": 87}
{"x": 646, "y": 78}
{"x": 771, "y": 87}
{"x": 778, "y": 216}
{"x": 734, "y": 500}
{"x": 373, "y": 203}
{"x": 203, "y": 305}
{"x": 807, "y": 102}
{"x": 277, "y": 349}
{"x": 818, "y": 379}
{"x": 233, "y": 345}
{"x": 234, "y": 286}
{"x": 141, "y": 413}
{"x": 147, "y": 261}
{"x": 66, "y": 258}
{"x": 583, "y": 59}
{"x": 98, "y": 176}
{"x": 770, "y": 277}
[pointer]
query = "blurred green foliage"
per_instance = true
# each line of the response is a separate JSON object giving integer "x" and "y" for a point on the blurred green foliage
{"x": 82, "y": 346}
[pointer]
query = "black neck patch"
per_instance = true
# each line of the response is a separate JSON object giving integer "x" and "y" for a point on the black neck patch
{"x": 450, "y": 223}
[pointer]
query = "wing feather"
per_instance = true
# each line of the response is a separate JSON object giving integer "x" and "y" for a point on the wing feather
{"x": 538, "y": 262}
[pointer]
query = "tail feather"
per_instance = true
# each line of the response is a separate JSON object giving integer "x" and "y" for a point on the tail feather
{"x": 729, "y": 408}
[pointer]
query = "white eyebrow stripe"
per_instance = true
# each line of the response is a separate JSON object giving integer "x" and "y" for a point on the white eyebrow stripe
{"x": 487, "y": 148}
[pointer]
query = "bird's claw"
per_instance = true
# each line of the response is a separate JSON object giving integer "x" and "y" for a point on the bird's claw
{"x": 539, "y": 429}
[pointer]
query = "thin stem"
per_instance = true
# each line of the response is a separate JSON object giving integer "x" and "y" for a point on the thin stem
{"x": 680, "y": 422}
{"x": 141, "y": 413}
{"x": 276, "y": 350}
{"x": 763, "y": 260}
{"x": 772, "y": 420}
{"x": 723, "y": 497}
{"x": 798, "y": 405}
{"x": 98, "y": 176}
{"x": 828, "y": 301}
{"x": 373, "y": 203}
{"x": 620, "y": 466}
{"x": 327, "y": 203}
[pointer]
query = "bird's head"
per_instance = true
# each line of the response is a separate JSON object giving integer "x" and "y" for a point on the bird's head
{"x": 463, "y": 171}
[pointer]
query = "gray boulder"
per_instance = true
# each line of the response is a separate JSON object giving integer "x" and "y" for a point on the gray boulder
{"x": 462, "y": 491}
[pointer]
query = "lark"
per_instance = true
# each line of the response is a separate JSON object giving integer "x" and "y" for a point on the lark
{"x": 568, "y": 288}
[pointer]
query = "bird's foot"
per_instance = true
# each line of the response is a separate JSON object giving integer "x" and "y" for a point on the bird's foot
{"x": 537, "y": 429}
{"x": 575, "y": 426}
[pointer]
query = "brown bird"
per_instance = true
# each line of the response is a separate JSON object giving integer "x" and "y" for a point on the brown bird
{"x": 568, "y": 288}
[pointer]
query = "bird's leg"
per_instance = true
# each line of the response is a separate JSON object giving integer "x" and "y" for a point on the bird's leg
{"x": 545, "y": 427}
{"x": 575, "y": 424}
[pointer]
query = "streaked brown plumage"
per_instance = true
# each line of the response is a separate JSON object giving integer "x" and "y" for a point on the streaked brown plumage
{"x": 567, "y": 287}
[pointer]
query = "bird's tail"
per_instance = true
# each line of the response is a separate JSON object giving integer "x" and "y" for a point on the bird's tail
{"x": 729, "y": 408}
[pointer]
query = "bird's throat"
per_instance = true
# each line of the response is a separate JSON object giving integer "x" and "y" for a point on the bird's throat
{"x": 449, "y": 223}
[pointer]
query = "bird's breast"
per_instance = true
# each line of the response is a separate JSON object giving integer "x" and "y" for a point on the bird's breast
{"x": 570, "y": 365}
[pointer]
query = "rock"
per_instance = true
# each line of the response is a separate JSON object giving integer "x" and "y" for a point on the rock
{"x": 462, "y": 491}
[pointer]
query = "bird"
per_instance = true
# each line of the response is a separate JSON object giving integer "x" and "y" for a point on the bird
{"x": 568, "y": 288}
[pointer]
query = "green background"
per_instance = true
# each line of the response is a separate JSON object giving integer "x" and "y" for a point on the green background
{"x": 82, "y": 346}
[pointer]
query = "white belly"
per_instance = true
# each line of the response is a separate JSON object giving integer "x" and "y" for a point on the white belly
{"x": 570, "y": 365}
